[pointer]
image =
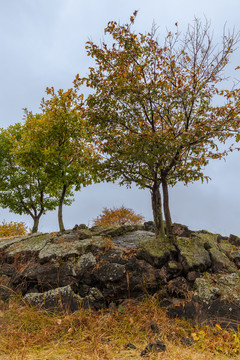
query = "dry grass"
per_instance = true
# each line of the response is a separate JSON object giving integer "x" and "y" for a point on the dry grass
{"x": 27, "y": 333}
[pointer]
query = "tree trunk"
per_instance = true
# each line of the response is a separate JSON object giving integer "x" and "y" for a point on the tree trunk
{"x": 157, "y": 210}
{"x": 60, "y": 207}
{"x": 35, "y": 224}
{"x": 166, "y": 209}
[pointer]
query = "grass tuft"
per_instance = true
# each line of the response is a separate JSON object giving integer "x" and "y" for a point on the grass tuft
{"x": 28, "y": 333}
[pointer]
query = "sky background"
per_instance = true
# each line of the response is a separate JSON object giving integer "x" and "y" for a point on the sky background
{"x": 43, "y": 44}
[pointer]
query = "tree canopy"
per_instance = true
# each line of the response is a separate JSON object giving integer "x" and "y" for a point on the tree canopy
{"x": 22, "y": 190}
{"x": 56, "y": 141}
{"x": 153, "y": 109}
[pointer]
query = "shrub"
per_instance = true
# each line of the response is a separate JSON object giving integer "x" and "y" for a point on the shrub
{"x": 117, "y": 217}
{"x": 12, "y": 228}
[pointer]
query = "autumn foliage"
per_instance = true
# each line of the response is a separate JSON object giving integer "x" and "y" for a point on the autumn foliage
{"x": 157, "y": 109}
{"x": 117, "y": 217}
{"x": 13, "y": 228}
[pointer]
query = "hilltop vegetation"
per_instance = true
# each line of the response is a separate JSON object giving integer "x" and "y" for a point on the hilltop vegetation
{"x": 151, "y": 118}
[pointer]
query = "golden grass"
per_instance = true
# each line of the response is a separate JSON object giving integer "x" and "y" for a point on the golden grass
{"x": 27, "y": 333}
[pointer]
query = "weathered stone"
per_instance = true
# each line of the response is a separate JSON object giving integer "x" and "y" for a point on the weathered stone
{"x": 206, "y": 291}
{"x": 233, "y": 239}
{"x": 121, "y": 230}
{"x": 149, "y": 226}
{"x": 155, "y": 346}
{"x": 193, "y": 255}
{"x": 63, "y": 249}
{"x": 220, "y": 261}
{"x": 97, "y": 229}
{"x": 32, "y": 244}
{"x": 235, "y": 256}
{"x": 227, "y": 248}
{"x": 6, "y": 243}
{"x": 217, "y": 311}
{"x": 84, "y": 263}
{"x": 181, "y": 230}
{"x": 80, "y": 227}
{"x": 174, "y": 267}
{"x": 110, "y": 272}
{"x": 94, "y": 299}
{"x": 114, "y": 255}
{"x": 62, "y": 298}
{"x": 43, "y": 277}
{"x": 84, "y": 234}
{"x": 133, "y": 239}
{"x": 142, "y": 275}
{"x": 226, "y": 286}
{"x": 156, "y": 252}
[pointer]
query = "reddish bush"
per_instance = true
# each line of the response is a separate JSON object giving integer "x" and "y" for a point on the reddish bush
{"x": 12, "y": 228}
{"x": 117, "y": 217}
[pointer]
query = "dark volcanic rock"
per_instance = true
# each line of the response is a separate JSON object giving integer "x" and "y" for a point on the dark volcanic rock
{"x": 60, "y": 298}
{"x": 110, "y": 272}
{"x": 196, "y": 275}
{"x": 155, "y": 346}
{"x": 178, "y": 287}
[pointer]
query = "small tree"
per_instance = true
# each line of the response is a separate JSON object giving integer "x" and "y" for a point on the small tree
{"x": 118, "y": 217}
{"x": 152, "y": 111}
{"x": 56, "y": 141}
{"x": 22, "y": 190}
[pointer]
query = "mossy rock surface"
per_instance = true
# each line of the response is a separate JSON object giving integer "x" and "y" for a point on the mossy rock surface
{"x": 195, "y": 256}
{"x": 225, "y": 286}
{"x": 61, "y": 249}
{"x": 30, "y": 244}
{"x": 220, "y": 261}
{"x": 156, "y": 251}
{"x": 6, "y": 243}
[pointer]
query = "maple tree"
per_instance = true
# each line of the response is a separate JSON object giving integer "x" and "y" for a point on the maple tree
{"x": 22, "y": 190}
{"x": 56, "y": 141}
{"x": 118, "y": 217}
{"x": 152, "y": 111}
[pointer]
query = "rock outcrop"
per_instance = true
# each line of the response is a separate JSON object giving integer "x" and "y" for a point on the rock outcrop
{"x": 196, "y": 276}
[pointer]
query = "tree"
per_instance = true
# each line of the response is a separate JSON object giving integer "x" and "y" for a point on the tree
{"x": 118, "y": 217}
{"x": 22, "y": 190}
{"x": 152, "y": 110}
{"x": 56, "y": 141}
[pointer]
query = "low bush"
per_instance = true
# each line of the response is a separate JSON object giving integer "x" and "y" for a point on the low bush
{"x": 12, "y": 228}
{"x": 118, "y": 217}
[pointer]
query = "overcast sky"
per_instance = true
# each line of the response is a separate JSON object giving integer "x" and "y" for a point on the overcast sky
{"x": 43, "y": 44}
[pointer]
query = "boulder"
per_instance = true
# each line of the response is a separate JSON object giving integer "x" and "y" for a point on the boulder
{"x": 133, "y": 239}
{"x": 61, "y": 248}
{"x": 62, "y": 298}
{"x": 156, "y": 252}
{"x": 193, "y": 255}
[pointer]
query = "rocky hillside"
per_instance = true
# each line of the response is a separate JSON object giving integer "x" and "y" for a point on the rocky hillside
{"x": 196, "y": 276}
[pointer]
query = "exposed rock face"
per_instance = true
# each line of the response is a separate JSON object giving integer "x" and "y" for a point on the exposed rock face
{"x": 196, "y": 276}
